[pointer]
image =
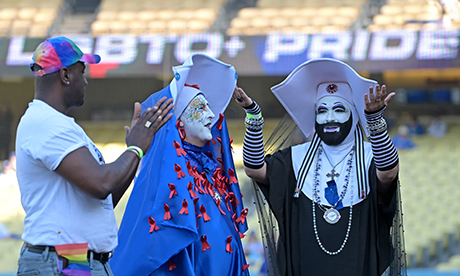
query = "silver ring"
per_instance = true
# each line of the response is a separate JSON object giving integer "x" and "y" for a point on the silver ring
{"x": 148, "y": 124}
{"x": 377, "y": 100}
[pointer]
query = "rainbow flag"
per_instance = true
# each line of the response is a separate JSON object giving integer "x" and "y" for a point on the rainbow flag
{"x": 72, "y": 259}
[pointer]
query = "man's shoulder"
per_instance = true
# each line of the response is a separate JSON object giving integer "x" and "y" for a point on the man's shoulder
{"x": 44, "y": 118}
{"x": 41, "y": 126}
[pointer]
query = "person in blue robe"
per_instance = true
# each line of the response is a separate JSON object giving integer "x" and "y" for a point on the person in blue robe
{"x": 185, "y": 215}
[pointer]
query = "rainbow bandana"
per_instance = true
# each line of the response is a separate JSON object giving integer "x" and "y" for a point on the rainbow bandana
{"x": 72, "y": 259}
{"x": 56, "y": 53}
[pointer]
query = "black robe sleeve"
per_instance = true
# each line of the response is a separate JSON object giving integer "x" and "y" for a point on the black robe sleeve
{"x": 276, "y": 192}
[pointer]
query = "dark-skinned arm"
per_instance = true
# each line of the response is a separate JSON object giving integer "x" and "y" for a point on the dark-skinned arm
{"x": 83, "y": 171}
{"x": 118, "y": 194}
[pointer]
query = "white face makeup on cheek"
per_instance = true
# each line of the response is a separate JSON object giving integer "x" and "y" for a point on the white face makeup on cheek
{"x": 197, "y": 119}
{"x": 330, "y": 110}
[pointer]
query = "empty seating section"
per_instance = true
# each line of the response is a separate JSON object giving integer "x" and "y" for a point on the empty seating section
{"x": 430, "y": 187}
{"x": 416, "y": 15}
{"x": 27, "y": 17}
{"x": 155, "y": 16}
{"x": 296, "y": 16}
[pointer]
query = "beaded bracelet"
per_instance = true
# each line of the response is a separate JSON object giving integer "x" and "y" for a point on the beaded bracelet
{"x": 254, "y": 123}
{"x": 139, "y": 152}
{"x": 377, "y": 127}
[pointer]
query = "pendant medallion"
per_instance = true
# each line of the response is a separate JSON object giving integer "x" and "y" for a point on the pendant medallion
{"x": 332, "y": 216}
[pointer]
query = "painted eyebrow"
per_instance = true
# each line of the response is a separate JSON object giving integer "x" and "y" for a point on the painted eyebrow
{"x": 339, "y": 105}
{"x": 322, "y": 106}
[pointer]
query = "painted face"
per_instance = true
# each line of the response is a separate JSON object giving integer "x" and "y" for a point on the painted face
{"x": 197, "y": 119}
{"x": 333, "y": 119}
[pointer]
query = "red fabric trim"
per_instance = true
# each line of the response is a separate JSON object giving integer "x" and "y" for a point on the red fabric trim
{"x": 204, "y": 243}
{"x": 232, "y": 179}
{"x": 221, "y": 147}
{"x": 233, "y": 199}
{"x": 206, "y": 183}
{"x": 219, "y": 123}
{"x": 167, "y": 213}
{"x": 206, "y": 217}
{"x": 197, "y": 179}
{"x": 218, "y": 206}
{"x": 173, "y": 190}
{"x": 227, "y": 197}
{"x": 184, "y": 209}
{"x": 190, "y": 169}
{"x": 193, "y": 85}
{"x": 153, "y": 225}
{"x": 179, "y": 171}
{"x": 195, "y": 200}
{"x": 228, "y": 247}
{"x": 179, "y": 150}
{"x": 242, "y": 218}
{"x": 245, "y": 267}
{"x": 210, "y": 190}
{"x": 171, "y": 265}
{"x": 190, "y": 190}
{"x": 231, "y": 142}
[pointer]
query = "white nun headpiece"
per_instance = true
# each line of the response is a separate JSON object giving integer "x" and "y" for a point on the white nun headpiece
{"x": 308, "y": 83}
{"x": 211, "y": 77}
{"x": 317, "y": 78}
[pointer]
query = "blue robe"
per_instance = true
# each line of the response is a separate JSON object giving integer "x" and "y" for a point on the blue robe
{"x": 175, "y": 246}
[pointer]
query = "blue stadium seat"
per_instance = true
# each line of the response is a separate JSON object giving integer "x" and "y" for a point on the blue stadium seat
{"x": 440, "y": 96}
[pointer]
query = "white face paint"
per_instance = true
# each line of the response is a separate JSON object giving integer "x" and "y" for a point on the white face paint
{"x": 332, "y": 109}
{"x": 197, "y": 119}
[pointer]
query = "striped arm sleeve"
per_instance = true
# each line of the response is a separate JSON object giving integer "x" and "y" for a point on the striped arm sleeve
{"x": 385, "y": 154}
{"x": 253, "y": 144}
{"x": 254, "y": 108}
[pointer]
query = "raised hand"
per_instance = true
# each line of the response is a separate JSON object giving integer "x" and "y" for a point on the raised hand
{"x": 379, "y": 100}
{"x": 136, "y": 116}
{"x": 145, "y": 126}
{"x": 164, "y": 107}
{"x": 241, "y": 98}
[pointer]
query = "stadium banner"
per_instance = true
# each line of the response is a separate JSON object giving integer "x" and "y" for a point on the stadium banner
{"x": 271, "y": 55}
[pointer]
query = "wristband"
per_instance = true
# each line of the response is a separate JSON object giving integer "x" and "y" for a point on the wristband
{"x": 376, "y": 124}
{"x": 377, "y": 127}
{"x": 254, "y": 116}
{"x": 138, "y": 149}
{"x": 374, "y": 116}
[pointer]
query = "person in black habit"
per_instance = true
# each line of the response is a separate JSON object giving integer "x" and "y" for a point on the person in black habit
{"x": 335, "y": 198}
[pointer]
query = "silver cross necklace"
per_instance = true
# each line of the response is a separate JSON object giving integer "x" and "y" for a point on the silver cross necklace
{"x": 333, "y": 174}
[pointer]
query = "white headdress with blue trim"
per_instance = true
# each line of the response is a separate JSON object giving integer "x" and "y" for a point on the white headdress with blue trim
{"x": 215, "y": 79}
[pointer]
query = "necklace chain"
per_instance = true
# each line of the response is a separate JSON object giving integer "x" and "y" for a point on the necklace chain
{"x": 329, "y": 160}
{"x": 317, "y": 199}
